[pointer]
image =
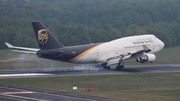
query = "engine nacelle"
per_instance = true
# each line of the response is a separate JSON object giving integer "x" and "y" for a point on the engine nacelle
{"x": 146, "y": 58}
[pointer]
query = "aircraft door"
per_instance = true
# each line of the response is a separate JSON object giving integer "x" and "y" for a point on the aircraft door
{"x": 116, "y": 51}
{"x": 97, "y": 52}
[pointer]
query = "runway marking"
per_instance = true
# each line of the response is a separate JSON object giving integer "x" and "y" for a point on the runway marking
{"x": 45, "y": 94}
{"x": 15, "y": 89}
{"x": 12, "y": 93}
{"x": 67, "y": 96}
{"x": 26, "y": 74}
{"x": 22, "y": 97}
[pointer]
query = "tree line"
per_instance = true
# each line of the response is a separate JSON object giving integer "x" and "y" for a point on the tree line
{"x": 76, "y": 22}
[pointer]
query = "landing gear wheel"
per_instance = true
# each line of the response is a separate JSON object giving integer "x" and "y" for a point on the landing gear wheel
{"x": 119, "y": 67}
{"x": 105, "y": 66}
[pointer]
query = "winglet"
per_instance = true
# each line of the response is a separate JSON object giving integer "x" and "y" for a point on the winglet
{"x": 9, "y": 45}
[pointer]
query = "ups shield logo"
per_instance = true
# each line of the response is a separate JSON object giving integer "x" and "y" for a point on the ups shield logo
{"x": 42, "y": 36}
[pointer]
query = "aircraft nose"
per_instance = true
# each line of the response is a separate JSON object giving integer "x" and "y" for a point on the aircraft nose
{"x": 161, "y": 44}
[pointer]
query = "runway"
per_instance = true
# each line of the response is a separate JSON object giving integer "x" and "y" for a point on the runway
{"x": 81, "y": 71}
{"x": 13, "y": 93}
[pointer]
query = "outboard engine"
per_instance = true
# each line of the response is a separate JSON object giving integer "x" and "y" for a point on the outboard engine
{"x": 146, "y": 58}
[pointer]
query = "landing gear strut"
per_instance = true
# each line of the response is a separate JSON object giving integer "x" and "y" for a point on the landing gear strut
{"x": 105, "y": 66}
{"x": 119, "y": 66}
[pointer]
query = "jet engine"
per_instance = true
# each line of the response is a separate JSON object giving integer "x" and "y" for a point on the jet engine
{"x": 146, "y": 58}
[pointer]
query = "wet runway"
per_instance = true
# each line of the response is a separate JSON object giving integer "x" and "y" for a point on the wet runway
{"x": 80, "y": 72}
{"x": 13, "y": 93}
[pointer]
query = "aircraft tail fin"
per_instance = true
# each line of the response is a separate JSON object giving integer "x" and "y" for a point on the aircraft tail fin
{"x": 44, "y": 37}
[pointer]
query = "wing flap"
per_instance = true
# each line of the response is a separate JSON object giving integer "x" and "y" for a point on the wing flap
{"x": 144, "y": 50}
{"x": 122, "y": 57}
{"x": 117, "y": 59}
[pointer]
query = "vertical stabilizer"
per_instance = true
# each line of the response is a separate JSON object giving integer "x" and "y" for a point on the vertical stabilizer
{"x": 44, "y": 37}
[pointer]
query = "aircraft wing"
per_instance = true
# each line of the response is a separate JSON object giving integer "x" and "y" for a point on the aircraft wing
{"x": 122, "y": 57}
{"x": 22, "y": 49}
{"x": 140, "y": 52}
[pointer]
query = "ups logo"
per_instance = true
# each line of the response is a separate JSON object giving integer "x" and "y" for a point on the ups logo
{"x": 42, "y": 36}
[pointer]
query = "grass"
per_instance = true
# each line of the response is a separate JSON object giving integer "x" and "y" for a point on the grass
{"x": 127, "y": 87}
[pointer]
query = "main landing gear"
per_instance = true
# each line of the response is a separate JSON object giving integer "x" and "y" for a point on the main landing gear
{"x": 119, "y": 67}
{"x": 105, "y": 66}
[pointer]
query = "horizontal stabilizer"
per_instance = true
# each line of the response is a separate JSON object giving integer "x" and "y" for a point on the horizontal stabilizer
{"x": 31, "y": 52}
{"x": 9, "y": 45}
{"x": 22, "y": 49}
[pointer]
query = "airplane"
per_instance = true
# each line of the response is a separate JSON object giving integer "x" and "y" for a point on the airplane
{"x": 104, "y": 54}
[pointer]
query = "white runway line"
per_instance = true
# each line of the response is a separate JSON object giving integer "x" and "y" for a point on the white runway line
{"x": 23, "y": 75}
{"x": 13, "y": 93}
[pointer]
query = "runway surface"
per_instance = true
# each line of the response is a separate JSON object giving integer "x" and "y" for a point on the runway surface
{"x": 86, "y": 71}
{"x": 13, "y": 93}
